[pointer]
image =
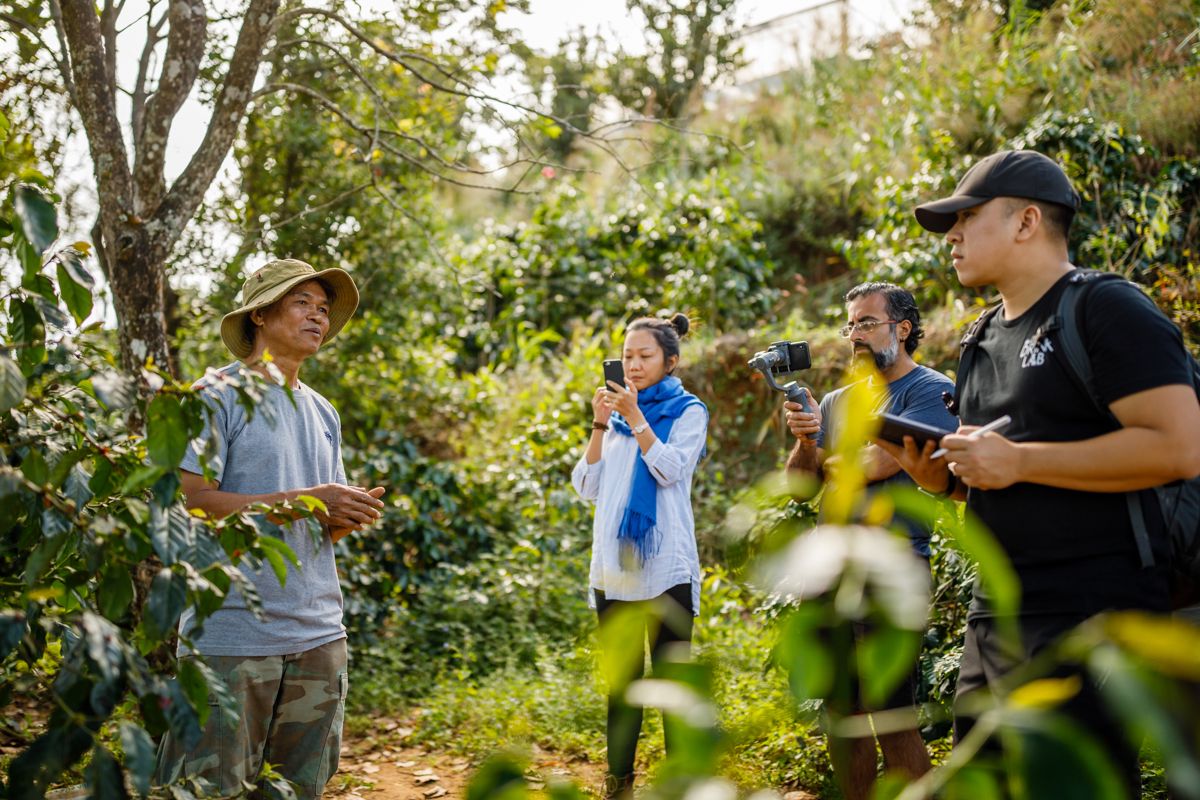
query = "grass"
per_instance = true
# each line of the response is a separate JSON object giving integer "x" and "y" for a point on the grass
{"x": 556, "y": 703}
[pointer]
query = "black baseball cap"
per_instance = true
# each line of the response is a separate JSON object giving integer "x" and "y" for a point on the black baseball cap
{"x": 1009, "y": 173}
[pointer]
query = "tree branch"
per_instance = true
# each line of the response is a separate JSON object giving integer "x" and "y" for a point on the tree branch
{"x": 63, "y": 58}
{"x": 469, "y": 92}
{"x": 186, "y": 194}
{"x": 404, "y": 58}
{"x": 138, "y": 95}
{"x": 382, "y": 106}
{"x": 186, "y": 37}
{"x": 95, "y": 100}
{"x": 108, "y": 29}
{"x": 366, "y": 132}
{"x": 346, "y": 195}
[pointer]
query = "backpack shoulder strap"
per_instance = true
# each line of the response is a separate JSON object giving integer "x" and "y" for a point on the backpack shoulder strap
{"x": 1066, "y": 320}
{"x": 966, "y": 354}
{"x": 1074, "y": 357}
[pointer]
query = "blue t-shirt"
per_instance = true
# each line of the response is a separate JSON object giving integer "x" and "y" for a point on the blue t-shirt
{"x": 916, "y": 396}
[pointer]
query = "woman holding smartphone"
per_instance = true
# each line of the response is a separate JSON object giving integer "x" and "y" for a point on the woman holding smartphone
{"x": 647, "y": 437}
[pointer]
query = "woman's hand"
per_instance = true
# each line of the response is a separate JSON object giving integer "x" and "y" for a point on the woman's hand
{"x": 624, "y": 400}
{"x": 601, "y": 410}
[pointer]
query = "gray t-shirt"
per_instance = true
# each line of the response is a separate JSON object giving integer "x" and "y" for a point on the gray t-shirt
{"x": 279, "y": 447}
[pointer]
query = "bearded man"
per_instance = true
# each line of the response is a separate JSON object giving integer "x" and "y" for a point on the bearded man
{"x": 884, "y": 325}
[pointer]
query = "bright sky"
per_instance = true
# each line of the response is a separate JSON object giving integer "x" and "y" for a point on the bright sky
{"x": 549, "y": 20}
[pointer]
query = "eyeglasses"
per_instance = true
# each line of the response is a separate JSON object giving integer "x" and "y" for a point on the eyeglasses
{"x": 866, "y": 326}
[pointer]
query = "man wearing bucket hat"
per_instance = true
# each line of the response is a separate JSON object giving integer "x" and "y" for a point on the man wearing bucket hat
{"x": 285, "y": 668}
{"x": 1054, "y": 484}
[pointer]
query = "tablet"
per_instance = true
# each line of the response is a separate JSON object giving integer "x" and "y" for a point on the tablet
{"x": 894, "y": 429}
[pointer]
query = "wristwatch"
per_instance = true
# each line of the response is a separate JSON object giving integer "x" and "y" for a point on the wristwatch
{"x": 946, "y": 493}
{"x": 638, "y": 430}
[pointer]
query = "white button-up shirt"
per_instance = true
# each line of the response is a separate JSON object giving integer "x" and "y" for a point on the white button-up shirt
{"x": 608, "y": 482}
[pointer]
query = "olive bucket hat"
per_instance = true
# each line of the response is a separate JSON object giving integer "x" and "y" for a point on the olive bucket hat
{"x": 274, "y": 280}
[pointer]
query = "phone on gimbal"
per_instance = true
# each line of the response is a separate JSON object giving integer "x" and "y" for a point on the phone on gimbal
{"x": 781, "y": 358}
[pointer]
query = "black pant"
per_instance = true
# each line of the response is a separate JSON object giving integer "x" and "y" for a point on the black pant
{"x": 986, "y": 662}
{"x": 669, "y": 617}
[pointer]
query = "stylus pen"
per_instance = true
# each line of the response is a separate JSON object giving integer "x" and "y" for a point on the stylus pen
{"x": 994, "y": 425}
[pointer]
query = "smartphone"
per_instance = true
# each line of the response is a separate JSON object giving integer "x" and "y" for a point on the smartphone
{"x": 614, "y": 371}
{"x": 798, "y": 357}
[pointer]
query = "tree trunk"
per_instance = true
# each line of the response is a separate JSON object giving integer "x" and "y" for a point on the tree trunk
{"x": 137, "y": 280}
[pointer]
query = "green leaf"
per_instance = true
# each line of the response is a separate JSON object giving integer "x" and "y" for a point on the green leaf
{"x": 168, "y": 594}
{"x": 218, "y": 689}
{"x": 140, "y": 478}
{"x": 25, "y": 326}
{"x": 277, "y": 552}
{"x": 104, "y": 777}
{"x": 166, "y": 431}
{"x": 76, "y": 486}
{"x": 169, "y": 535}
{"x": 30, "y": 258}
{"x": 181, "y": 716}
{"x": 49, "y": 308}
{"x": 102, "y": 482}
{"x": 1046, "y": 749}
{"x": 804, "y": 653}
{"x": 313, "y": 504}
{"x": 75, "y": 284}
{"x": 115, "y": 592}
{"x": 194, "y": 686}
{"x": 105, "y": 647}
{"x": 619, "y": 664}
{"x": 4, "y": 128}
{"x": 65, "y": 463}
{"x": 12, "y": 384}
{"x": 139, "y": 756}
{"x": 975, "y": 783}
{"x": 35, "y": 468}
{"x": 501, "y": 777}
{"x": 32, "y": 772}
{"x": 38, "y": 218}
{"x": 885, "y": 656}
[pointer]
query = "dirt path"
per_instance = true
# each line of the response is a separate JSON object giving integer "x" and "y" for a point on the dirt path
{"x": 380, "y": 766}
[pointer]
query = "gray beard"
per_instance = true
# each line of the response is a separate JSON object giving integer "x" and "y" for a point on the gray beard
{"x": 886, "y": 358}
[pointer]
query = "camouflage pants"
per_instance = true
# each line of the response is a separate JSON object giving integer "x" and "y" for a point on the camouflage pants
{"x": 291, "y": 711}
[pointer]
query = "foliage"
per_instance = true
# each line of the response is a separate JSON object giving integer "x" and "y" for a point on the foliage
{"x": 569, "y": 83}
{"x": 463, "y": 382}
{"x": 687, "y": 247}
{"x": 688, "y": 46}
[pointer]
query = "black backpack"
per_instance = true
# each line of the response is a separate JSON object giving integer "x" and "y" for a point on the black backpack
{"x": 1180, "y": 500}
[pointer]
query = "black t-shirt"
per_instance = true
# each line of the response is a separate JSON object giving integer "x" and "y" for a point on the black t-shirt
{"x": 1074, "y": 551}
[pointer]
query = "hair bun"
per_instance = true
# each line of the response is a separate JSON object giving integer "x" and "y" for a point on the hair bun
{"x": 681, "y": 324}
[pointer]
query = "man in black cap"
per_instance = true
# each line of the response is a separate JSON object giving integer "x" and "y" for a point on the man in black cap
{"x": 1053, "y": 486}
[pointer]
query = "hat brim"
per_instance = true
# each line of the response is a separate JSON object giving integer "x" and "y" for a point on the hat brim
{"x": 341, "y": 309}
{"x": 939, "y": 216}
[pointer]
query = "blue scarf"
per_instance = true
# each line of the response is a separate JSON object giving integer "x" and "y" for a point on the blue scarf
{"x": 661, "y": 404}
